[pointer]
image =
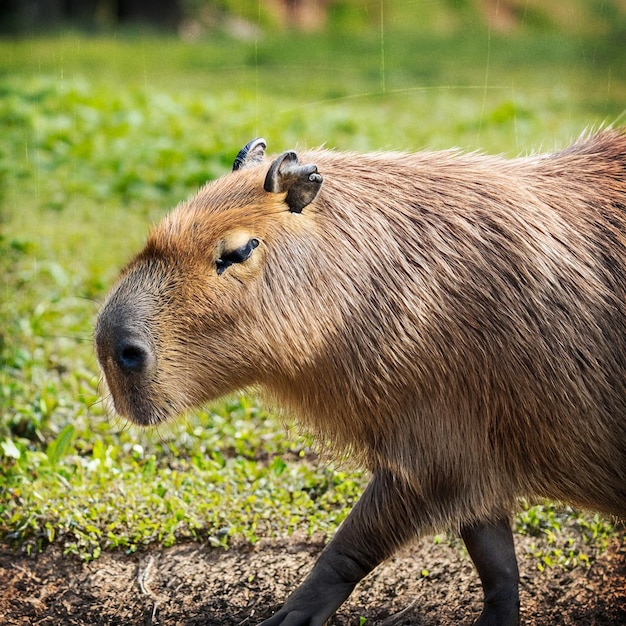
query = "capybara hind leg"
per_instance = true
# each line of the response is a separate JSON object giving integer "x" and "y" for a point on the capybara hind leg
{"x": 490, "y": 544}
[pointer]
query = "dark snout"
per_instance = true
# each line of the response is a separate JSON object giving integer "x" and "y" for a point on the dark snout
{"x": 127, "y": 359}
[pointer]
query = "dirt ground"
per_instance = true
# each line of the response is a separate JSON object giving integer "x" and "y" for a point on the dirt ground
{"x": 192, "y": 585}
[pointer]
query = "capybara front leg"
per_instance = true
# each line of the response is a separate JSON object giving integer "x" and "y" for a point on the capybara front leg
{"x": 490, "y": 544}
{"x": 381, "y": 520}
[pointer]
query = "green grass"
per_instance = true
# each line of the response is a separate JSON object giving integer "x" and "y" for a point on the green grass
{"x": 101, "y": 136}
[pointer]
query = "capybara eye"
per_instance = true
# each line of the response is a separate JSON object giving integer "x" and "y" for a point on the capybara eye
{"x": 238, "y": 255}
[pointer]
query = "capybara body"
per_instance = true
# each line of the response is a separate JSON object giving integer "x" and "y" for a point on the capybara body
{"x": 457, "y": 322}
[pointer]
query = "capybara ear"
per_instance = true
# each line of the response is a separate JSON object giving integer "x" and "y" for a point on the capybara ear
{"x": 301, "y": 182}
{"x": 251, "y": 154}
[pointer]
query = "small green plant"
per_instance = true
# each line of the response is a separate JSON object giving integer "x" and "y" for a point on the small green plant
{"x": 568, "y": 537}
{"x": 59, "y": 446}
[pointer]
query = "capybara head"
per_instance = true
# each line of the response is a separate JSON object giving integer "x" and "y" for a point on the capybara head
{"x": 201, "y": 311}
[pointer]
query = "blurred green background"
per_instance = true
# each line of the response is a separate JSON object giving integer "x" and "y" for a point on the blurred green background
{"x": 110, "y": 114}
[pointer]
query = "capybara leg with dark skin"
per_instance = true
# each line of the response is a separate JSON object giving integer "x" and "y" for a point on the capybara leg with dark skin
{"x": 386, "y": 516}
{"x": 490, "y": 544}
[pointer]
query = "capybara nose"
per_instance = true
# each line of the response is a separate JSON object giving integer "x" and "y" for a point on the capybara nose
{"x": 133, "y": 356}
{"x": 122, "y": 346}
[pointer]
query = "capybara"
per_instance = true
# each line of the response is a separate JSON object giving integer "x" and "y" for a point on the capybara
{"x": 455, "y": 322}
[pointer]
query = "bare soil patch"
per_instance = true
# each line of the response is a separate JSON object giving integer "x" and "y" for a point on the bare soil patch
{"x": 191, "y": 585}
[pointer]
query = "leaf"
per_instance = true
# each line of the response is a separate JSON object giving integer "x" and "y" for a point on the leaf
{"x": 278, "y": 466}
{"x": 10, "y": 449}
{"x": 57, "y": 448}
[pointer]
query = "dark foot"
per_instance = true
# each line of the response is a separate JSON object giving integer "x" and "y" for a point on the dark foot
{"x": 292, "y": 618}
{"x": 504, "y": 614}
{"x": 491, "y": 547}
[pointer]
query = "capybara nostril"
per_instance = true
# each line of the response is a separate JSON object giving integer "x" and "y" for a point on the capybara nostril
{"x": 132, "y": 356}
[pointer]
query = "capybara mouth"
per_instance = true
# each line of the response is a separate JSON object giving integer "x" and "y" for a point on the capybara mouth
{"x": 136, "y": 395}
{"x": 132, "y": 405}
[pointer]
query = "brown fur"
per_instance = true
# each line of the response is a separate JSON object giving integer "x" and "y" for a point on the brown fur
{"x": 455, "y": 320}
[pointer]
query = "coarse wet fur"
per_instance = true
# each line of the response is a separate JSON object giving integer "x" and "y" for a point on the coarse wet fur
{"x": 456, "y": 322}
